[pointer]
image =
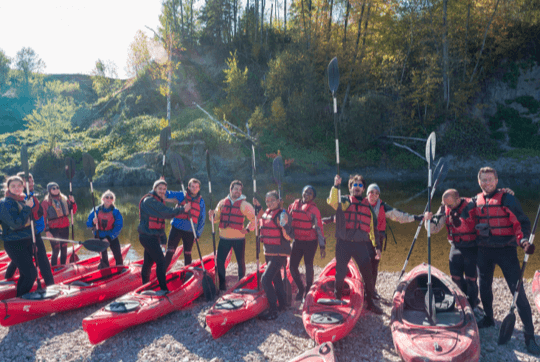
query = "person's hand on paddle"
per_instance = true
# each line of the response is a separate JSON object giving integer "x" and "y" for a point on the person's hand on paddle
{"x": 428, "y": 215}
{"x": 527, "y": 247}
{"x": 506, "y": 190}
{"x": 323, "y": 253}
{"x": 187, "y": 207}
{"x": 377, "y": 254}
{"x": 71, "y": 199}
{"x": 211, "y": 214}
{"x": 337, "y": 181}
{"x": 29, "y": 202}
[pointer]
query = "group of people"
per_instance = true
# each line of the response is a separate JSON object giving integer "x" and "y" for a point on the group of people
{"x": 484, "y": 231}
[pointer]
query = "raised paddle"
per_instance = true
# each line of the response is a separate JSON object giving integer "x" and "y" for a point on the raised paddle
{"x": 439, "y": 178}
{"x": 279, "y": 171}
{"x": 333, "y": 84}
{"x": 70, "y": 173}
{"x": 507, "y": 326}
{"x": 257, "y": 240}
{"x": 26, "y": 170}
{"x": 430, "y": 298}
{"x": 96, "y": 245}
{"x": 89, "y": 167}
{"x": 164, "y": 143}
{"x": 209, "y": 287}
{"x": 216, "y": 281}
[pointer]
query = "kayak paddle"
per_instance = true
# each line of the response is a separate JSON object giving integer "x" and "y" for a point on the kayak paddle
{"x": 89, "y": 167}
{"x": 257, "y": 240}
{"x": 96, "y": 245}
{"x": 279, "y": 170}
{"x": 507, "y": 326}
{"x": 216, "y": 281}
{"x": 164, "y": 143}
{"x": 70, "y": 173}
{"x": 209, "y": 287}
{"x": 26, "y": 170}
{"x": 333, "y": 84}
{"x": 430, "y": 298}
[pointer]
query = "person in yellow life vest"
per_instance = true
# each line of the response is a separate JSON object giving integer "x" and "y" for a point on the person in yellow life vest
{"x": 181, "y": 226}
{"x": 356, "y": 235}
{"x": 107, "y": 225}
{"x": 230, "y": 214}
{"x": 275, "y": 228}
{"x": 56, "y": 210}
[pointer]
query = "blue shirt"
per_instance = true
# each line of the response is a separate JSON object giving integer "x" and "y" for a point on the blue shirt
{"x": 184, "y": 224}
{"x": 117, "y": 226}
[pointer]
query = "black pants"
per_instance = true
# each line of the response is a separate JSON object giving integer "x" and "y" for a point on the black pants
{"x": 117, "y": 252}
{"x": 306, "y": 249}
{"x": 239, "y": 247}
{"x": 506, "y": 258}
{"x": 374, "y": 266}
{"x": 463, "y": 261}
{"x": 361, "y": 252}
{"x": 43, "y": 263}
{"x": 21, "y": 252}
{"x": 153, "y": 254}
{"x": 174, "y": 239}
{"x": 59, "y": 247}
{"x": 272, "y": 282}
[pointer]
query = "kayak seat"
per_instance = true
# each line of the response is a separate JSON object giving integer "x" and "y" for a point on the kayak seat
{"x": 444, "y": 301}
{"x": 328, "y": 301}
{"x": 156, "y": 293}
{"x": 80, "y": 283}
{"x": 326, "y": 318}
{"x": 230, "y": 304}
{"x": 245, "y": 291}
{"x": 123, "y": 306}
{"x": 41, "y": 294}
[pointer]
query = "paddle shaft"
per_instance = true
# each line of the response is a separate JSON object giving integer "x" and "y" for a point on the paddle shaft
{"x": 33, "y": 236}
{"x": 72, "y": 223}
{"x": 337, "y": 140}
{"x": 213, "y": 231}
{"x": 257, "y": 240}
{"x": 429, "y": 285}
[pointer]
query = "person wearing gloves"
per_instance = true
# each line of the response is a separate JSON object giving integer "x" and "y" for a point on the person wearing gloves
{"x": 15, "y": 216}
{"x": 56, "y": 210}
{"x": 274, "y": 232}
{"x": 308, "y": 233}
{"x": 181, "y": 226}
{"x": 152, "y": 215}
{"x": 501, "y": 227}
{"x": 384, "y": 211}
{"x": 107, "y": 225}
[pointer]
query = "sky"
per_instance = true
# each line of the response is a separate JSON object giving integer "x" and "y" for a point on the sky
{"x": 70, "y": 35}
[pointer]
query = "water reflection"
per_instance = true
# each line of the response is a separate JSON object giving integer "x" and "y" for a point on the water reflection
{"x": 392, "y": 192}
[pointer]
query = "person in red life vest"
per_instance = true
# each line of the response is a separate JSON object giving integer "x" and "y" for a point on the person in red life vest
{"x": 462, "y": 238}
{"x": 501, "y": 226}
{"x": 275, "y": 230}
{"x": 152, "y": 215}
{"x": 308, "y": 232}
{"x": 15, "y": 216}
{"x": 107, "y": 225}
{"x": 382, "y": 212}
{"x": 356, "y": 235}
{"x": 56, "y": 210}
{"x": 39, "y": 225}
{"x": 181, "y": 226}
{"x": 230, "y": 213}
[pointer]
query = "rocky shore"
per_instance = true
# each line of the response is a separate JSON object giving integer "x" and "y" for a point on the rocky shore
{"x": 183, "y": 336}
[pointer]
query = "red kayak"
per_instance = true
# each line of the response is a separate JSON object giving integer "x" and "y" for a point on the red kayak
{"x": 454, "y": 335}
{"x": 327, "y": 319}
{"x": 239, "y": 304}
{"x": 8, "y": 288}
{"x": 149, "y": 302}
{"x": 322, "y": 353}
{"x": 80, "y": 291}
{"x": 5, "y": 263}
{"x": 536, "y": 289}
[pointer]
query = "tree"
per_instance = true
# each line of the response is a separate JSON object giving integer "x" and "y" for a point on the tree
{"x": 101, "y": 77}
{"x": 28, "y": 62}
{"x": 139, "y": 56}
{"x": 5, "y": 61}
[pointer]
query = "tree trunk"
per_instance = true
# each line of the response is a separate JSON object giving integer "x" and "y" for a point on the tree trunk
{"x": 191, "y": 23}
{"x": 484, "y": 41}
{"x": 262, "y": 18}
{"x": 271, "y": 13}
{"x": 345, "y": 27}
{"x": 285, "y": 16}
{"x": 256, "y": 19}
{"x": 466, "y": 50}
{"x": 328, "y": 35}
{"x": 182, "y": 17}
{"x": 446, "y": 80}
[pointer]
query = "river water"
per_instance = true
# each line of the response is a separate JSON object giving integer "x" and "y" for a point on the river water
{"x": 400, "y": 236}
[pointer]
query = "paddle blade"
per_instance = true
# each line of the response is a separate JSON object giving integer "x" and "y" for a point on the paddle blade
{"x": 333, "y": 75}
{"x": 70, "y": 168}
{"x": 209, "y": 288}
{"x": 253, "y": 164}
{"x": 165, "y": 139}
{"x": 96, "y": 245}
{"x": 24, "y": 161}
{"x": 507, "y": 327}
{"x": 177, "y": 166}
{"x": 208, "y": 165}
{"x": 430, "y": 149}
{"x": 89, "y": 166}
{"x": 279, "y": 169}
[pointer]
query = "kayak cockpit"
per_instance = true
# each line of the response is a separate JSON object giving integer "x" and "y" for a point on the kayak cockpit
{"x": 174, "y": 282}
{"x": 414, "y": 307}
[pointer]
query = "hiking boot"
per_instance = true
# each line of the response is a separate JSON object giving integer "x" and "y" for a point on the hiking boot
{"x": 268, "y": 315}
{"x": 532, "y": 347}
{"x": 376, "y": 296}
{"x": 374, "y": 308}
{"x": 299, "y": 296}
{"x": 486, "y": 322}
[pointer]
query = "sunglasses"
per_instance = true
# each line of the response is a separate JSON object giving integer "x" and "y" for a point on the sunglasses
{"x": 357, "y": 185}
{"x": 55, "y": 188}
{"x": 108, "y": 197}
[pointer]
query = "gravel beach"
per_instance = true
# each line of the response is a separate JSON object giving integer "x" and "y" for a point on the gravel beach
{"x": 183, "y": 336}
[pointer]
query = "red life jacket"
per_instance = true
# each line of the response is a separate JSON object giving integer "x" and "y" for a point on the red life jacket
{"x": 381, "y": 215}
{"x": 231, "y": 216}
{"x": 358, "y": 215}
{"x": 466, "y": 231}
{"x": 105, "y": 219}
{"x": 57, "y": 207}
{"x": 500, "y": 219}
{"x": 154, "y": 223}
{"x": 195, "y": 208}
{"x": 36, "y": 208}
{"x": 270, "y": 231}
{"x": 301, "y": 220}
